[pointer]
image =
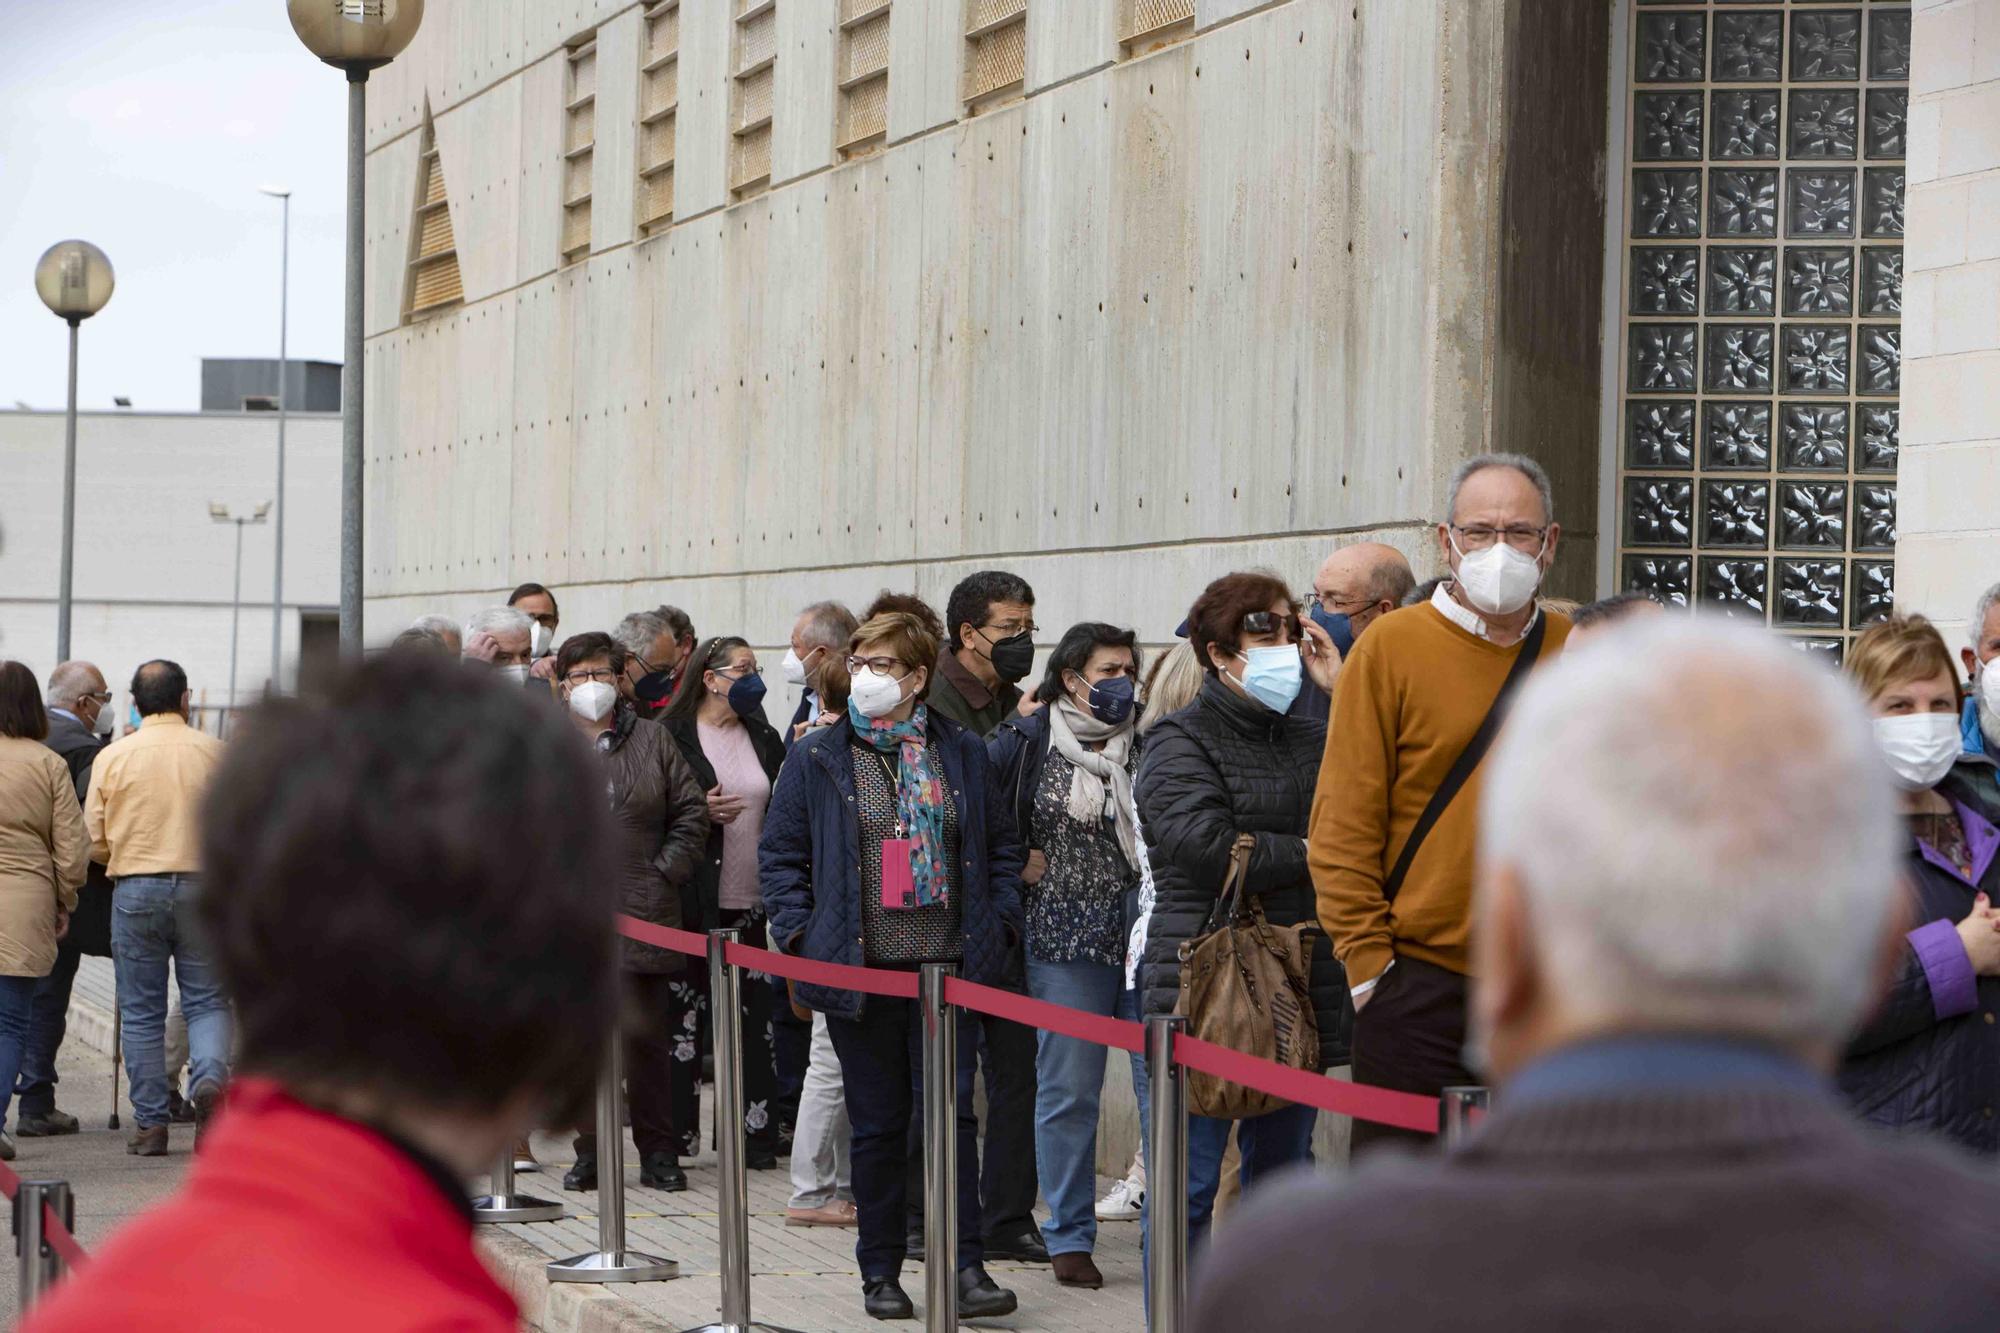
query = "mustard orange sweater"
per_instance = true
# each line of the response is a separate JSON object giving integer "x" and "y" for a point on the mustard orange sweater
{"x": 1413, "y": 691}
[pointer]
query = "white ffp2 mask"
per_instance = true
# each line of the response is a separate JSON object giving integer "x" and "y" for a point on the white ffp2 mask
{"x": 794, "y": 668}
{"x": 1499, "y": 580}
{"x": 1919, "y": 747}
{"x": 592, "y": 700}
{"x": 875, "y": 695}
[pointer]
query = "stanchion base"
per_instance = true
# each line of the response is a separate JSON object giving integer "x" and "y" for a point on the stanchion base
{"x": 514, "y": 1208}
{"x": 629, "y": 1266}
{"x": 741, "y": 1328}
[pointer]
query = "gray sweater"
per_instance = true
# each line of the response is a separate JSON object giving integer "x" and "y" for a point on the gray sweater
{"x": 1747, "y": 1209}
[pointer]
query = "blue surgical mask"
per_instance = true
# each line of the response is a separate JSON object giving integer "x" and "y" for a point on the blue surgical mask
{"x": 1271, "y": 675}
{"x": 1337, "y": 626}
{"x": 746, "y": 695}
{"x": 1111, "y": 700}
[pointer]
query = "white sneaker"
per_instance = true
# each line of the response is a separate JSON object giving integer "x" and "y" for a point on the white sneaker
{"x": 1123, "y": 1202}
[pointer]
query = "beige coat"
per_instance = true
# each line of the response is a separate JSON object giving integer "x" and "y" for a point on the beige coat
{"x": 43, "y": 854}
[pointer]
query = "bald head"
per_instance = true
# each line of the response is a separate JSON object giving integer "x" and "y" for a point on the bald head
{"x": 1363, "y": 582}
{"x": 1686, "y": 828}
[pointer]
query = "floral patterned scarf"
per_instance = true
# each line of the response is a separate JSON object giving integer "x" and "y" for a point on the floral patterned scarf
{"x": 920, "y": 796}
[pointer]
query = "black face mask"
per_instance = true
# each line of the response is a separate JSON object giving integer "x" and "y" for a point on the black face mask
{"x": 654, "y": 686}
{"x": 1014, "y": 657}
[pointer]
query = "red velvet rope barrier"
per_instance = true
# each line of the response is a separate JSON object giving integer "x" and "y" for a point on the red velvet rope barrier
{"x": 59, "y": 1237}
{"x": 1404, "y": 1110}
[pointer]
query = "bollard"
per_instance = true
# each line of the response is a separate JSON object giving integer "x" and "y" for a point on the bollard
{"x": 611, "y": 1262}
{"x": 504, "y": 1205}
{"x": 1167, "y": 1176}
{"x": 40, "y": 1264}
{"x": 732, "y": 1184}
{"x": 940, "y": 1151}
{"x": 1455, "y": 1109}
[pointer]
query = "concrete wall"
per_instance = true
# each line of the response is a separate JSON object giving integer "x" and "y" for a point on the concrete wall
{"x": 153, "y": 571}
{"x": 1948, "y": 547}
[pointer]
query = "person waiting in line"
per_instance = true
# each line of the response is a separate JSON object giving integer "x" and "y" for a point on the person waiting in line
{"x": 1594, "y": 618}
{"x": 444, "y": 627}
{"x": 819, "y": 639}
{"x": 503, "y": 638}
{"x": 1929, "y": 1057}
{"x": 666, "y": 664}
{"x": 410, "y": 906}
{"x": 718, "y": 722}
{"x": 1979, "y": 723}
{"x": 662, "y": 824}
{"x": 990, "y": 625}
{"x": 1688, "y": 863}
{"x": 538, "y": 604}
{"x": 1067, "y": 770}
{"x": 1355, "y": 587}
{"x": 1172, "y": 683}
{"x": 936, "y": 880}
{"x": 1232, "y": 763}
{"x": 44, "y": 857}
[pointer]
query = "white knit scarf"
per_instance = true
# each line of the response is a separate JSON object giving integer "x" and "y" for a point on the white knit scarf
{"x": 1102, "y": 777}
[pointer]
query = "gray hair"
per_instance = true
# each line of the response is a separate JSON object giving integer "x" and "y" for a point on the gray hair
{"x": 498, "y": 620}
{"x": 1980, "y": 610}
{"x": 636, "y": 632}
{"x": 676, "y": 620}
{"x": 69, "y": 682}
{"x": 1704, "y": 833}
{"x": 827, "y": 625}
{"x": 1520, "y": 463}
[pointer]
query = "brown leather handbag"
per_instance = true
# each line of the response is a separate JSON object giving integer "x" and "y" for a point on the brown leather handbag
{"x": 1246, "y": 984}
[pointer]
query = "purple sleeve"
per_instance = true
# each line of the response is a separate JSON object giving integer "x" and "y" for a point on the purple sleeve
{"x": 1954, "y": 990}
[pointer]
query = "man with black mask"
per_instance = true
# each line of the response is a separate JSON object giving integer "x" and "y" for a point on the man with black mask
{"x": 656, "y": 645}
{"x": 991, "y": 622}
{"x": 990, "y": 619}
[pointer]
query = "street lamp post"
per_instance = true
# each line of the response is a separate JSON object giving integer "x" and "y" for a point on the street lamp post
{"x": 284, "y": 196}
{"x": 220, "y": 513}
{"x": 355, "y": 36}
{"x": 74, "y": 279}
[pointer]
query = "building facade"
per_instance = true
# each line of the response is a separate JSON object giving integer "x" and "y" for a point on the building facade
{"x": 743, "y": 303}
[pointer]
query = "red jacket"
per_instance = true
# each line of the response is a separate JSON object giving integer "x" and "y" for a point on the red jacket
{"x": 293, "y": 1219}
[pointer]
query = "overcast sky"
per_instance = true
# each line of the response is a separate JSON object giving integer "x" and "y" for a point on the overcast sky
{"x": 147, "y": 128}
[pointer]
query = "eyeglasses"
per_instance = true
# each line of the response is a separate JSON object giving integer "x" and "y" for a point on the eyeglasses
{"x": 738, "y": 672}
{"x": 581, "y": 676}
{"x": 1007, "y": 629}
{"x": 881, "y": 666}
{"x": 1270, "y": 622}
{"x": 1520, "y": 536}
{"x": 1332, "y": 602}
{"x": 102, "y": 697}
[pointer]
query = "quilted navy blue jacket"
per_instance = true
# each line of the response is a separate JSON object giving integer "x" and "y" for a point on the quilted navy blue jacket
{"x": 809, "y": 858}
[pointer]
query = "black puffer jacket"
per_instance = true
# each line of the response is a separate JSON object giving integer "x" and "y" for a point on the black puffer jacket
{"x": 661, "y": 813}
{"x": 1908, "y": 1068}
{"x": 1222, "y": 766}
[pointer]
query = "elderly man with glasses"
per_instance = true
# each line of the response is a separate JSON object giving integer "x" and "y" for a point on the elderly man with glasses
{"x": 1394, "y": 814}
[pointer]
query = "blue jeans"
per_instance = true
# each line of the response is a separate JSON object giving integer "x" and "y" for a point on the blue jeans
{"x": 47, "y": 1023}
{"x": 152, "y": 920}
{"x": 1131, "y": 1007}
{"x": 17, "y": 1002}
{"x": 1268, "y": 1144}
{"x": 1069, "y": 1082}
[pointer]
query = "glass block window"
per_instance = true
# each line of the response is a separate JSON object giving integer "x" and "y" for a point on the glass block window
{"x": 579, "y": 147}
{"x": 996, "y": 51}
{"x": 659, "y": 113}
{"x": 753, "y": 86}
{"x": 864, "y": 76}
{"x": 1760, "y": 351}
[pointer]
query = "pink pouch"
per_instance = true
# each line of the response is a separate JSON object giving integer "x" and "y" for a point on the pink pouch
{"x": 899, "y": 884}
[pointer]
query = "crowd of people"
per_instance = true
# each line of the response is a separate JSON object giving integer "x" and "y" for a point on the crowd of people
{"x": 1690, "y": 906}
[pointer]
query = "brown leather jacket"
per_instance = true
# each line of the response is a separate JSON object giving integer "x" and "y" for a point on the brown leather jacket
{"x": 659, "y": 807}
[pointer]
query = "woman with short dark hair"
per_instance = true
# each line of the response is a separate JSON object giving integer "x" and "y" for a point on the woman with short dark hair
{"x": 658, "y": 807}
{"x": 886, "y": 845}
{"x": 717, "y": 719}
{"x": 1066, "y": 770}
{"x": 1235, "y": 762}
{"x": 44, "y": 856}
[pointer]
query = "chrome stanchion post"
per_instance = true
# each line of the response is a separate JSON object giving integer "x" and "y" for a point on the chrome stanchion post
{"x": 40, "y": 1264}
{"x": 1455, "y": 1112}
{"x": 612, "y": 1262}
{"x": 732, "y": 1183}
{"x": 940, "y": 1151}
{"x": 1167, "y": 1177}
{"x": 504, "y": 1205}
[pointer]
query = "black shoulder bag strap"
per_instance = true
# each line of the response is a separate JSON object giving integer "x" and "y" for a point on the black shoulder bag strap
{"x": 1468, "y": 758}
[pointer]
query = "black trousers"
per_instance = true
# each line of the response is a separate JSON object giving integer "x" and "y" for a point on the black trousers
{"x": 1008, "y": 1177}
{"x": 662, "y": 1073}
{"x": 48, "y": 1022}
{"x": 791, "y": 1052}
{"x": 1410, "y": 1036}
{"x": 762, "y": 1112}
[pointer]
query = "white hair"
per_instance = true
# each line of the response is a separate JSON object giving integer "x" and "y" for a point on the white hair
{"x": 1520, "y": 463}
{"x": 1704, "y": 832}
{"x": 637, "y": 632}
{"x": 1980, "y": 610}
{"x": 442, "y": 628}
{"x": 498, "y": 620}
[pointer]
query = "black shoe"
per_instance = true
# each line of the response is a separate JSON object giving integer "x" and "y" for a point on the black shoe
{"x": 44, "y": 1124}
{"x": 913, "y": 1247}
{"x": 1026, "y": 1248}
{"x": 582, "y": 1176}
{"x": 760, "y": 1159}
{"x": 179, "y": 1110}
{"x": 662, "y": 1171}
{"x": 979, "y": 1298}
{"x": 886, "y": 1299}
{"x": 207, "y": 1098}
